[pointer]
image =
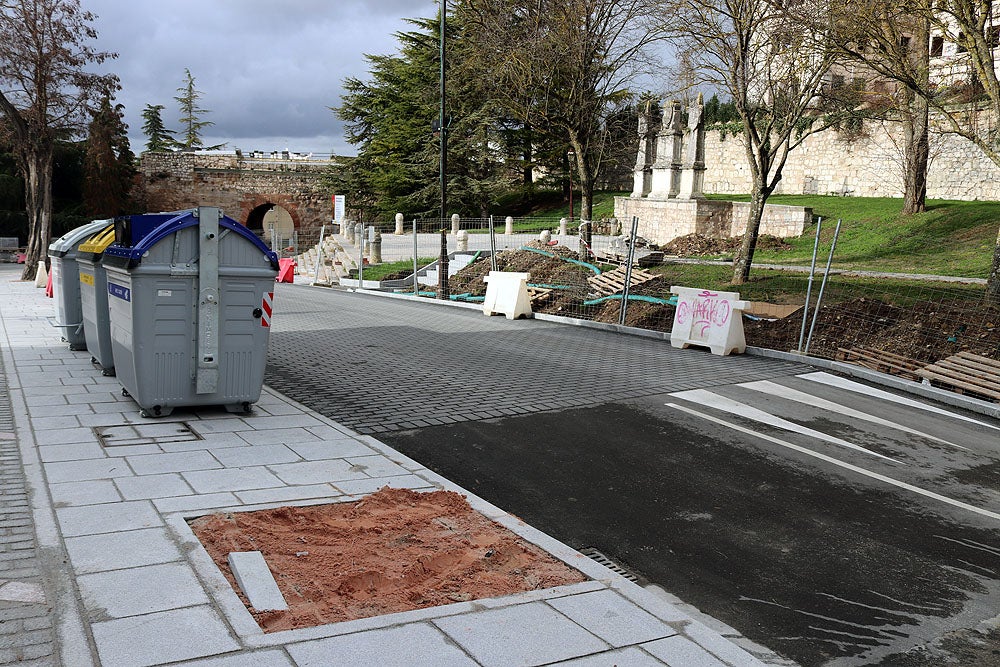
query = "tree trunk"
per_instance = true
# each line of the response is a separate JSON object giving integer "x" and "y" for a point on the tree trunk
{"x": 915, "y": 127}
{"x": 916, "y": 154}
{"x": 527, "y": 150}
{"x": 37, "y": 168}
{"x": 586, "y": 176}
{"x": 993, "y": 280}
{"x": 744, "y": 258}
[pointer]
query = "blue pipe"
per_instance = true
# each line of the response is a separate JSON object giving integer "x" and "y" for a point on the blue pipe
{"x": 596, "y": 270}
{"x": 672, "y": 301}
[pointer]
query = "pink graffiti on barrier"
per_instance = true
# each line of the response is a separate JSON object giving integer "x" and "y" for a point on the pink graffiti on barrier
{"x": 683, "y": 312}
{"x": 709, "y": 312}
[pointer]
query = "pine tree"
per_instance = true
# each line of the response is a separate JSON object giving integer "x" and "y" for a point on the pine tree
{"x": 390, "y": 118}
{"x": 109, "y": 162}
{"x": 191, "y": 114}
{"x": 158, "y": 137}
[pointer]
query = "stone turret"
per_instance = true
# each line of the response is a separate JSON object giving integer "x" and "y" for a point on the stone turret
{"x": 666, "y": 179}
{"x": 642, "y": 174}
{"x": 693, "y": 171}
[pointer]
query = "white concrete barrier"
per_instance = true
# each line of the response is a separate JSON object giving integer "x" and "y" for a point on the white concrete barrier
{"x": 709, "y": 319}
{"x": 507, "y": 294}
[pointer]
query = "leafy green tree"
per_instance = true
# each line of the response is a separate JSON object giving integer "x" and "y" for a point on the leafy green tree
{"x": 109, "y": 163}
{"x": 158, "y": 137}
{"x": 191, "y": 120}
{"x": 717, "y": 111}
{"x": 390, "y": 118}
{"x": 45, "y": 94}
{"x": 561, "y": 67}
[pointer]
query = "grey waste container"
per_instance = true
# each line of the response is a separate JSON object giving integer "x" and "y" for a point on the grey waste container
{"x": 189, "y": 298}
{"x": 66, "y": 282}
{"x": 94, "y": 298}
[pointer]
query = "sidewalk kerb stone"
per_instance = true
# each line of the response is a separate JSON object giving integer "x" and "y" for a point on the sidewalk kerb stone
{"x": 256, "y": 581}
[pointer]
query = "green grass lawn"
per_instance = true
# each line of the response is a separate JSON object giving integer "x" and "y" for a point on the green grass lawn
{"x": 604, "y": 207}
{"x": 951, "y": 238}
{"x": 954, "y": 238}
{"x": 380, "y": 271}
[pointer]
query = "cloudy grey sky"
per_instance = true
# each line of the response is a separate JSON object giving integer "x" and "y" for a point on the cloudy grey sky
{"x": 269, "y": 69}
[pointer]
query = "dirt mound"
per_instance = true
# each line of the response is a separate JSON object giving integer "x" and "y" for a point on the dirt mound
{"x": 395, "y": 550}
{"x": 696, "y": 245}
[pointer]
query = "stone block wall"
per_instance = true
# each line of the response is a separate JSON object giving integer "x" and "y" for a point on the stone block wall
{"x": 662, "y": 220}
{"x": 175, "y": 181}
{"x": 868, "y": 165}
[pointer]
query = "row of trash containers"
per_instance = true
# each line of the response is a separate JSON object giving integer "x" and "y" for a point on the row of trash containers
{"x": 176, "y": 305}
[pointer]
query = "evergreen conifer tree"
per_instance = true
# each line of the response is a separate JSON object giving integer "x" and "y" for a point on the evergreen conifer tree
{"x": 158, "y": 137}
{"x": 109, "y": 162}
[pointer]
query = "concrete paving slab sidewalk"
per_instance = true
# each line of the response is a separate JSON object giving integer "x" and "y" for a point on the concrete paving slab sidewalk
{"x": 95, "y": 501}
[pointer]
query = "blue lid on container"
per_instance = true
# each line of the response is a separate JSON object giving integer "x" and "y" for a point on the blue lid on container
{"x": 136, "y": 234}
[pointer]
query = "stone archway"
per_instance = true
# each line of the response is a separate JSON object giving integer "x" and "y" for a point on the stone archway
{"x": 240, "y": 185}
{"x": 274, "y": 224}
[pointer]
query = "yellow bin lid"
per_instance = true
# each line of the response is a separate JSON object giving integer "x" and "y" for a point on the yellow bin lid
{"x": 99, "y": 241}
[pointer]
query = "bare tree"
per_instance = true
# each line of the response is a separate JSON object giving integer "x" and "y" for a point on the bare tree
{"x": 561, "y": 67}
{"x": 46, "y": 94}
{"x": 772, "y": 66}
{"x": 892, "y": 43}
{"x": 957, "y": 79}
{"x": 961, "y": 88}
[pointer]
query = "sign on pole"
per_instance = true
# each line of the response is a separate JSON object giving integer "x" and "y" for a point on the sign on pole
{"x": 339, "y": 204}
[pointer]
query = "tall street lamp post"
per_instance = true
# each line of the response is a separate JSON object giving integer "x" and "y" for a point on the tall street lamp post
{"x": 443, "y": 259}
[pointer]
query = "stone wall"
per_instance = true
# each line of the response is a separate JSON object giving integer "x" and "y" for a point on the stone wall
{"x": 241, "y": 186}
{"x": 662, "y": 220}
{"x": 869, "y": 165}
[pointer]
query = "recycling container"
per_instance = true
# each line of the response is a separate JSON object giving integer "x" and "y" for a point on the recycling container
{"x": 94, "y": 298}
{"x": 66, "y": 282}
{"x": 189, "y": 299}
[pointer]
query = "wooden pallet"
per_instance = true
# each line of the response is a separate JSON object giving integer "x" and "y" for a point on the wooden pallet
{"x": 881, "y": 361}
{"x": 966, "y": 373}
{"x": 613, "y": 282}
{"x": 539, "y": 294}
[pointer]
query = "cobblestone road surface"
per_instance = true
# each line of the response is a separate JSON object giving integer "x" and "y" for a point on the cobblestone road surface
{"x": 25, "y": 623}
{"x": 379, "y": 364}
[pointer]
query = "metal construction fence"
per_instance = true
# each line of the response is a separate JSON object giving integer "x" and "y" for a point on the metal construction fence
{"x": 602, "y": 271}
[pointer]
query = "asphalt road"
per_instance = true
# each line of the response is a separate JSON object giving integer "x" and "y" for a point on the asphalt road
{"x": 819, "y": 517}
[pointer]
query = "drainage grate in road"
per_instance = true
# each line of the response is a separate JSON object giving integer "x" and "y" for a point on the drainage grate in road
{"x": 598, "y": 557}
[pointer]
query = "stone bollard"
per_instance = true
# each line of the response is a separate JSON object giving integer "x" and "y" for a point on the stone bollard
{"x": 463, "y": 240}
{"x": 562, "y": 226}
{"x": 399, "y": 225}
{"x": 545, "y": 237}
{"x": 616, "y": 227}
{"x": 375, "y": 249}
{"x": 455, "y": 223}
{"x": 348, "y": 229}
{"x": 509, "y": 226}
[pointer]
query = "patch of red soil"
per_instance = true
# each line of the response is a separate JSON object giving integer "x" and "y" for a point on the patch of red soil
{"x": 395, "y": 550}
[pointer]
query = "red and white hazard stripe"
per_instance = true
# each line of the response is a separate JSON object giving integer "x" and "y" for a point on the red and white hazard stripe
{"x": 265, "y": 306}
